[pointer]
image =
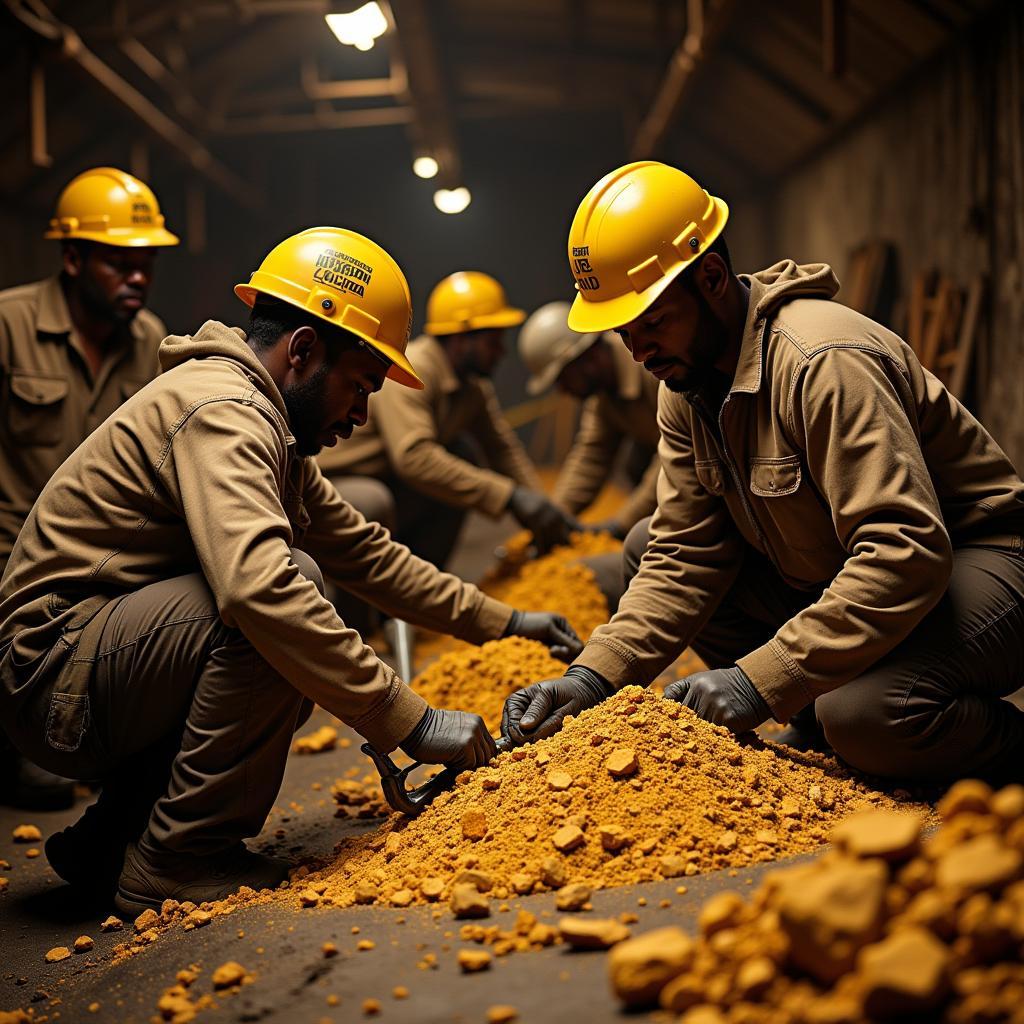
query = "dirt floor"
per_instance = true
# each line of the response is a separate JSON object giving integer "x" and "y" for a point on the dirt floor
{"x": 282, "y": 948}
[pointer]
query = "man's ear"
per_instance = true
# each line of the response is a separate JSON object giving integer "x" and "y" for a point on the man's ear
{"x": 73, "y": 261}
{"x": 712, "y": 276}
{"x": 302, "y": 348}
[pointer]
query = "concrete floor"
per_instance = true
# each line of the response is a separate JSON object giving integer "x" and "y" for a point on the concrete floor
{"x": 283, "y": 946}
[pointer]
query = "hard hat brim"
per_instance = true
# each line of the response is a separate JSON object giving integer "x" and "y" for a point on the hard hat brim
{"x": 508, "y": 317}
{"x": 401, "y": 370}
{"x": 544, "y": 380}
{"x": 122, "y": 238}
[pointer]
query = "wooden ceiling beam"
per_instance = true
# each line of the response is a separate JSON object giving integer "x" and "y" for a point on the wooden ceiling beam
{"x": 433, "y": 126}
{"x": 705, "y": 22}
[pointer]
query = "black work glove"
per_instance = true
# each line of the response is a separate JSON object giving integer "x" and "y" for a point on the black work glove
{"x": 724, "y": 696}
{"x": 542, "y": 517}
{"x": 612, "y": 526}
{"x": 551, "y": 630}
{"x": 453, "y": 738}
{"x": 537, "y": 711}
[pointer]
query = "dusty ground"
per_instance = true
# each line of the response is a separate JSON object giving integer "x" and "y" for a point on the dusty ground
{"x": 293, "y": 980}
{"x": 283, "y": 947}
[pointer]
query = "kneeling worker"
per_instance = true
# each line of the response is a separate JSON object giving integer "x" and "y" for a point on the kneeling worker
{"x": 73, "y": 347}
{"x": 620, "y": 413}
{"x": 620, "y": 405}
{"x": 836, "y": 535}
{"x": 414, "y": 443}
{"x": 162, "y": 620}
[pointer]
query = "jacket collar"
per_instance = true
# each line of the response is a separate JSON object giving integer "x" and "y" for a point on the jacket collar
{"x": 241, "y": 351}
{"x": 750, "y": 366}
{"x": 434, "y": 353}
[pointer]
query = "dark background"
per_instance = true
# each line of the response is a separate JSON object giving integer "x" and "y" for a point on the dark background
{"x": 916, "y": 139}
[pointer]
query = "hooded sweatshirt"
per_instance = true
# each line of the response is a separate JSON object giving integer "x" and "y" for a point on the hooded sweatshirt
{"x": 198, "y": 473}
{"x": 840, "y": 458}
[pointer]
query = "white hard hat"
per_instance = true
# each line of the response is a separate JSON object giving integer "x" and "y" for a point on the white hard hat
{"x": 547, "y": 345}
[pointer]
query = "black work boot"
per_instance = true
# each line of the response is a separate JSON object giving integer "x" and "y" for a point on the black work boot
{"x": 148, "y": 878}
{"x": 90, "y": 853}
{"x": 25, "y": 785}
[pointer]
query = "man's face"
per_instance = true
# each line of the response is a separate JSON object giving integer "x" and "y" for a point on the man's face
{"x": 677, "y": 338}
{"x": 580, "y": 378}
{"x": 114, "y": 282}
{"x": 332, "y": 399}
{"x": 484, "y": 350}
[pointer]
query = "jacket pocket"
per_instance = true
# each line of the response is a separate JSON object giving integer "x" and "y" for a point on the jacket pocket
{"x": 710, "y": 474}
{"x": 67, "y": 720}
{"x": 775, "y": 478}
{"x": 35, "y": 408}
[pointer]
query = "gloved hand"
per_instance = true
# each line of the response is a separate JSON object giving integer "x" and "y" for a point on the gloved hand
{"x": 612, "y": 526}
{"x": 537, "y": 711}
{"x": 724, "y": 696}
{"x": 453, "y": 738}
{"x": 551, "y": 630}
{"x": 542, "y": 517}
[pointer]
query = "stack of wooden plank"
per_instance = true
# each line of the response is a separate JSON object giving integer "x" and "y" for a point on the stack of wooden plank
{"x": 943, "y": 322}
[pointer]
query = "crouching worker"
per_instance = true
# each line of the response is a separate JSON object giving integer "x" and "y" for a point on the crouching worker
{"x": 162, "y": 620}
{"x": 841, "y": 541}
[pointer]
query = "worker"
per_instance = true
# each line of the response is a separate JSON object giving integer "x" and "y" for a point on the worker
{"x": 417, "y": 442}
{"x": 839, "y": 539}
{"x": 73, "y": 347}
{"x": 162, "y": 620}
{"x": 619, "y": 417}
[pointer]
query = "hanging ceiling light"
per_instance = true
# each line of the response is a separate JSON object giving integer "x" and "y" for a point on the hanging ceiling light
{"x": 359, "y": 28}
{"x": 453, "y": 200}
{"x": 425, "y": 167}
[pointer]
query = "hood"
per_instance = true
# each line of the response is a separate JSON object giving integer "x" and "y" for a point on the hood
{"x": 787, "y": 280}
{"x": 215, "y": 340}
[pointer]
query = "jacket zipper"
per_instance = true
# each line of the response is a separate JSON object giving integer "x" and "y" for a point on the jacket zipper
{"x": 734, "y": 473}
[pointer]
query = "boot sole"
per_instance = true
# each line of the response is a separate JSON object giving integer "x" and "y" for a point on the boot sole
{"x": 131, "y": 904}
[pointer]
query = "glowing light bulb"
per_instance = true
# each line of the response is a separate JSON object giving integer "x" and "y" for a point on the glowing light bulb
{"x": 360, "y": 27}
{"x": 425, "y": 167}
{"x": 453, "y": 200}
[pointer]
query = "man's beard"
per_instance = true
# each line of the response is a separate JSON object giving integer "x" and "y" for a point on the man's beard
{"x": 709, "y": 342}
{"x": 101, "y": 307}
{"x": 306, "y": 413}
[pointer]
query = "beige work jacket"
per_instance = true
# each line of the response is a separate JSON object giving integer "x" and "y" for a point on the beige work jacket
{"x": 409, "y": 432}
{"x": 197, "y": 472}
{"x": 50, "y": 400}
{"x": 606, "y": 422}
{"x": 840, "y": 458}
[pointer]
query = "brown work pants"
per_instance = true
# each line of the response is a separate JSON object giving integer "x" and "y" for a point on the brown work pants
{"x": 428, "y": 528}
{"x": 931, "y": 709}
{"x": 189, "y": 727}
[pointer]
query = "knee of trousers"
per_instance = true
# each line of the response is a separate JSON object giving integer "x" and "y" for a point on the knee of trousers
{"x": 634, "y": 547}
{"x": 870, "y": 736}
{"x": 309, "y": 569}
{"x": 370, "y": 497}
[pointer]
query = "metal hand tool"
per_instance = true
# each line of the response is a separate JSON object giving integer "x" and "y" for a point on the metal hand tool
{"x": 412, "y": 801}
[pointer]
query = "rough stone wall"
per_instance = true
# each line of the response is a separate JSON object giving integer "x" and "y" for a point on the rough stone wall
{"x": 938, "y": 170}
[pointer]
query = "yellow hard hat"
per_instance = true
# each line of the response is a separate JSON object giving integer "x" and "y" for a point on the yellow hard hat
{"x": 636, "y": 230}
{"x": 349, "y": 281}
{"x": 110, "y": 206}
{"x": 469, "y": 301}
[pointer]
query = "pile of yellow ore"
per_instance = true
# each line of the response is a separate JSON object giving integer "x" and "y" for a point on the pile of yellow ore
{"x": 634, "y": 790}
{"x": 886, "y": 926}
{"x": 557, "y": 582}
{"x": 479, "y": 679}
